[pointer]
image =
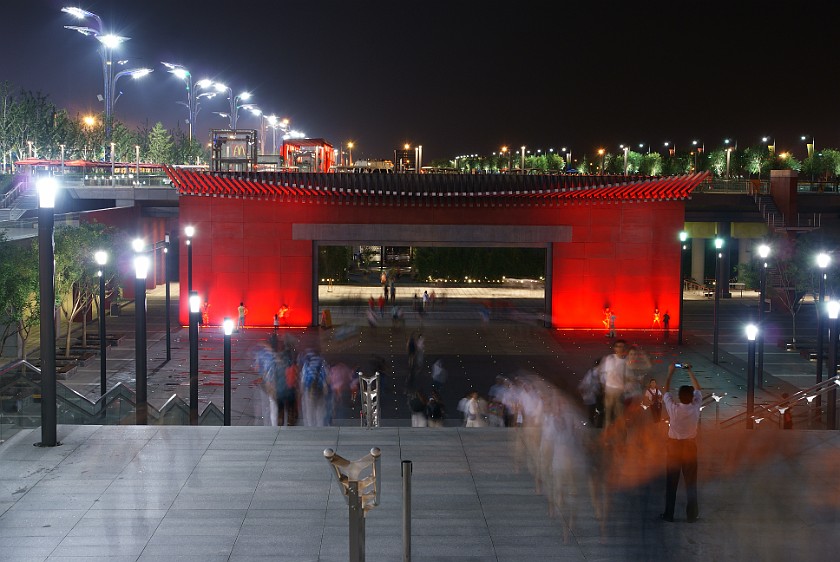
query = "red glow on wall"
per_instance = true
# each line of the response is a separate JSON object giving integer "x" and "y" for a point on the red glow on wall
{"x": 622, "y": 255}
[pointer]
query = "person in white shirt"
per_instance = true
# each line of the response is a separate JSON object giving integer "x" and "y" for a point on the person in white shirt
{"x": 613, "y": 370}
{"x": 681, "y": 454}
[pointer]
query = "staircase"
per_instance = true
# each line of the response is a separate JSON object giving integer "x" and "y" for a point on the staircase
{"x": 772, "y": 216}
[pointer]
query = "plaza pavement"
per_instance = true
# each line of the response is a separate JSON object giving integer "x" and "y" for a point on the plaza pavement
{"x": 261, "y": 493}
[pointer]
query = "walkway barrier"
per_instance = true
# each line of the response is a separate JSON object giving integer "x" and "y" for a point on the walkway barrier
{"x": 369, "y": 389}
{"x": 359, "y": 481}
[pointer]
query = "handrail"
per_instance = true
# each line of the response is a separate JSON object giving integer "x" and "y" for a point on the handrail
{"x": 15, "y": 364}
{"x": 11, "y": 196}
{"x": 778, "y": 408}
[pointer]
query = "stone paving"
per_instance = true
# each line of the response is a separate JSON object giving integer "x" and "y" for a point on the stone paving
{"x": 252, "y": 493}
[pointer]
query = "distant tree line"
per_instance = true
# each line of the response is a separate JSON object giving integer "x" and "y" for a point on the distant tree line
{"x": 31, "y": 125}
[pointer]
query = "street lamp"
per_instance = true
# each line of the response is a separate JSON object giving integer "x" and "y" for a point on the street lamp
{"x": 185, "y": 75}
{"x": 141, "y": 270}
{"x": 166, "y": 282}
{"x": 718, "y": 247}
{"x": 101, "y": 258}
{"x": 233, "y": 116}
{"x": 195, "y": 311}
{"x": 522, "y": 158}
{"x": 823, "y": 260}
{"x": 601, "y": 152}
{"x": 700, "y": 148}
{"x": 107, "y": 43}
{"x": 350, "y": 146}
{"x": 752, "y": 332}
{"x": 833, "y": 308}
{"x": 764, "y": 253}
{"x": 47, "y": 188}
{"x": 190, "y": 232}
{"x": 683, "y": 248}
{"x": 227, "y": 326}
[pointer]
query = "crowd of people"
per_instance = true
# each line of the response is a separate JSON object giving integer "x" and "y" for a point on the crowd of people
{"x": 301, "y": 388}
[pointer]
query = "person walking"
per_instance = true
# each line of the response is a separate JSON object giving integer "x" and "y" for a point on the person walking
{"x": 613, "y": 378}
{"x": 681, "y": 455}
{"x": 652, "y": 400}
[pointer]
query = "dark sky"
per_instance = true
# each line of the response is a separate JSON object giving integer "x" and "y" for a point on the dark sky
{"x": 459, "y": 77}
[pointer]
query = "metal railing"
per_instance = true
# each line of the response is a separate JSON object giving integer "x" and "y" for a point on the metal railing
{"x": 775, "y": 411}
{"x": 20, "y": 396}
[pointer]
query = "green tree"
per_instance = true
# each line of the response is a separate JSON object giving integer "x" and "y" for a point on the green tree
{"x": 334, "y": 262}
{"x": 76, "y": 281}
{"x": 19, "y": 308}
{"x": 160, "y": 145}
{"x": 651, "y": 164}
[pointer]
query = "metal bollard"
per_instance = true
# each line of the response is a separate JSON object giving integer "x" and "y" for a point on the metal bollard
{"x": 407, "y": 468}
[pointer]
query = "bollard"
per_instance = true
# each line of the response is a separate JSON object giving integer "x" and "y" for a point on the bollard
{"x": 357, "y": 522}
{"x": 406, "y": 515}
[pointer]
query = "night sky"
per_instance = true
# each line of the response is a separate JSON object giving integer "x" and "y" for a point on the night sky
{"x": 459, "y": 77}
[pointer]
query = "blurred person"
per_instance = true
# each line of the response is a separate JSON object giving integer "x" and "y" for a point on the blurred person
{"x": 473, "y": 411}
{"x": 613, "y": 371}
{"x": 438, "y": 376}
{"x": 435, "y": 412}
{"x": 266, "y": 365}
{"x": 681, "y": 455}
{"x": 592, "y": 393}
{"x": 315, "y": 390}
{"x": 417, "y": 406}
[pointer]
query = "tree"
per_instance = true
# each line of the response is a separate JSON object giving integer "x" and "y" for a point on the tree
{"x": 19, "y": 310}
{"x": 160, "y": 145}
{"x": 76, "y": 281}
{"x": 651, "y": 164}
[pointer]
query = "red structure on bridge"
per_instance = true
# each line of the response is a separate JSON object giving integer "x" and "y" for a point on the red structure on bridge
{"x": 611, "y": 241}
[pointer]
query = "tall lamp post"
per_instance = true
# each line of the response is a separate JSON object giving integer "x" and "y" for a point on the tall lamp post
{"x": 47, "y": 188}
{"x": 823, "y": 260}
{"x": 195, "y": 312}
{"x": 350, "y": 146}
{"x": 833, "y": 308}
{"x": 752, "y": 332}
{"x": 763, "y": 253}
{"x": 185, "y": 75}
{"x": 141, "y": 270}
{"x": 227, "y": 326}
{"x": 101, "y": 258}
{"x": 719, "y": 256}
{"x": 190, "y": 232}
{"x": 683, "y": 248}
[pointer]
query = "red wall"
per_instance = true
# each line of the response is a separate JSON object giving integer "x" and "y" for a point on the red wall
{"x": 622, "y": 255}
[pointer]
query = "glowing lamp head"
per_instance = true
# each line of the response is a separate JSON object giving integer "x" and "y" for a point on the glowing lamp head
{"x": 189, "y": 231}
{"x": 101, "y": 257}
{"x": 47, "y": 190}
{"x": 244, "y": 96}
{"x": 138, "y": 244}
{"x": 227, "y": 326}
{"x": 718, "y": 243}
{"x": 195, "y": 302}
{"x": 752, "y": 331}
{"x": 823, "y": 260}
{"x": 833, "y": 308}
{"x": 764, "y": 251}
{"x": 683, "y": 236}
{"x": 111, "y": 41}
{"x": 141, "y": 267}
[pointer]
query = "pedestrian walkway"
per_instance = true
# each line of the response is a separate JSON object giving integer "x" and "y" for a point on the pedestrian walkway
{"x": 259, "y": 493}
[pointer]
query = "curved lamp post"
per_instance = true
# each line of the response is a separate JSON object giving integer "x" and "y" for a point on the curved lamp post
{"x": 141, "y": 270}
{"x": 763, "y": 253}
{"x": 47, "y": 189}
{"x": 833, "y": 308}
{"x": 752, "y": 333}
{"x": 195, "y": 312}
{"x": 683, "y": 247}
{"x": 718, "y": 248}
{"x": 227, "y": 326}
{"x": 101, "y": 258}
{"x": 190, "y": 232}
